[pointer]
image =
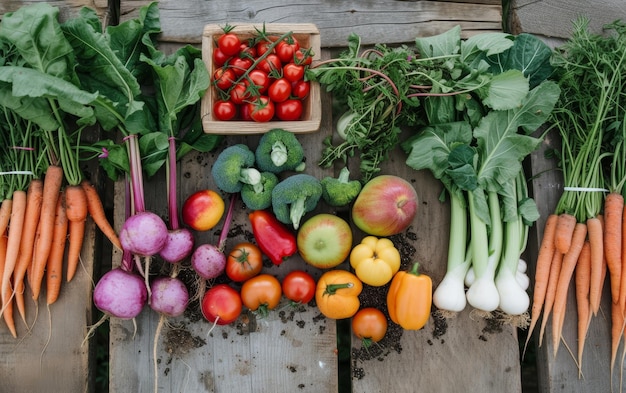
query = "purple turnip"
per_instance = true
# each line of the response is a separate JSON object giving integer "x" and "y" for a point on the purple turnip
{"x": 178, "y": 246}
{"x": 120, "y": 293}
{"x": 143, "y": 234}
{"x": 169, "y": 296}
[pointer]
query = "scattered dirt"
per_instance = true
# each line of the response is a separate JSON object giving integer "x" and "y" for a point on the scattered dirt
{"x": 179, "y": 341}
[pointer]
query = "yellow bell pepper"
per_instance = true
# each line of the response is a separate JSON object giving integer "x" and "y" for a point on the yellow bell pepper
{"x": 409, "y": 298}
{"x": 337, "y": 294}
{"x": 375, "y": 260}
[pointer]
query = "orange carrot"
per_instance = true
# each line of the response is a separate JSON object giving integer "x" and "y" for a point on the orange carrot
{"x": 76, "y": 211}
{"x": 3, "y": 254}
{"x": 553, "y": 278}
{"x": 13, "y": 247}
{"x": 613, "y": 216}
{"x": 542, "y": 272}
{"x": 596, "y": 245}
{"x": 96, "y": 211}
{"x": 564, "y": 232}
{"x": 51, "y": 190}
{"x": 567, "y": 270}
{"x": 617, "y": 327}
{"x": 583, "y": 305}
{"x": 54, "y": 268}
{"x": 5, "y": 214}
{"x": 34, "y": 196}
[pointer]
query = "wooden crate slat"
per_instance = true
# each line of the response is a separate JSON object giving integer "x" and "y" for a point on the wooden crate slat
{"x": 396, "y": 21}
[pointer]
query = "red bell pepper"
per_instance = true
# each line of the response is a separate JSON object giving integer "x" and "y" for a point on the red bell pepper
{"x": 273, "y": 238}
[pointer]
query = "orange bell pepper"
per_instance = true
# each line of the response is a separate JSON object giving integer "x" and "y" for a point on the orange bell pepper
{"x": 409, "y": 298}
{"x": 337, "y": 294}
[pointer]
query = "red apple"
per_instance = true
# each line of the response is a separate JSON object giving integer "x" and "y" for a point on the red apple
{"x": 324, "y": 241}
{"x": 385, "y": 206}
{"x": 203, "y": 210}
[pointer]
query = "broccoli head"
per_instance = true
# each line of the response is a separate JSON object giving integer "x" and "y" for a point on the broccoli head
{"x": 234, "y": 167}
{"x": 340, "y": 191}
{"x": 295, "y": 196}
{"x": 262, "y": 199}
{"x": 279, "y": 150}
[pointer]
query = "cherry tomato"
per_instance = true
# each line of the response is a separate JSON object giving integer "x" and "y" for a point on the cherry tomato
{"x": 223, "y": 78}
{"x": 259, "y": 79}
{"x": 299, "y": 286}
{"x": 221, "y": 304}
{"x": 262, "y": 47}
{"x": 370, "y": 325}
{"x": 301, "y": 89}
{"x": 244, "y": 261}
{"x": 219, "y": 57}
{"x": 239, "y": 93}
{"x": 224, "y": 110}
{"x": 270, "y": 63}
{"x": 286, "y": 48}
{"x": 244, "y": 112}
{"x": 289, "y": 110}
{"x": 246, "y": 50}
{"x": 303, "y": 57}
{"x": 262, "y": 109}
{"x": 293, "y": 72}
{"x": 279, "y": 90}
{"x": 229, "y": 43}
{"x": 261, "y": 293}
{"x": 240, "y": 65}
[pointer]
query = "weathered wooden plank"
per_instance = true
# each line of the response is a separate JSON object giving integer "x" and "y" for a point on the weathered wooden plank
{"x": 560, "y": 373}
{"x": 291, "y": 350}
{"x": 396, "y": 21}
{"x": 553, "y": 18}
{"x": 465, "y": 353}
{"x": 66, "y": 8}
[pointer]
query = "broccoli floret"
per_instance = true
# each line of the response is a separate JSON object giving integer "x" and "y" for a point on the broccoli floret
{"x": 234, "y": 167}
{"x": 340, "y": 191}
{"x": 294, "y": 196}
{"x": 279, "y": 150}
{"x": 259, "y": 200}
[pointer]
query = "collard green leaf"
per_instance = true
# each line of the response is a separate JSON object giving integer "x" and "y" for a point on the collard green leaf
{"x": 477, "y": 48}
{"x": 506, "y": 90}
{"x": 35, "y": 31}
{"x": 444, "y": 44}
{"x": 537, "y": 106}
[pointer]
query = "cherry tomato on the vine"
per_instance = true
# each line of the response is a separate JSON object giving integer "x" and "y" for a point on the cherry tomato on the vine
{"x": 370, "y": 325}
{"x": 262, "y": 109}
{"x": 286, "y": 49}
{"x": 303, "y": 57}
{"x": 289, "y": 110}
{"x": 262, "y": 47}
{"x": 301, "y": 89}
{"x": 239, "y": 93}
{"x": 221, "y": 304}
{"x": 240, "y": 65}
{"x": 224, "y": 110}
{"x": 261, "y": 293}
{"x": 299, "y": 286}
{"x": 259, "y": 79}
{"x": 246, "y": 50}
{"x": 293, "y": 72}
{"x": 229, "y": 43}
{"x": 270, "y": 63}
{"x": 244, "y": 261}
{"x": 223, "y": 78}
{"x": 279, "y": 90}
{"x": 219, "y": 57}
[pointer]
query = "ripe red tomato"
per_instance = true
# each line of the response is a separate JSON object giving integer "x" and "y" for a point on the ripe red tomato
{"x": 224, "y": 110}
{"x": 262, "y": 109}
{"x": 370, "y": 325}
{"x": 299, "y": 286}
{"x": 219, "y": 57}
{"x": 293, "y": 72}
{"x": 244, "y": 112}
{"x": 289, "y": 110}
{"x": 303, "y": 57}
{"x": 239, "y": 93}
{"x": 240, "y": 65}
{"x": 246, "y": 50}
{"x": 244, "y": 261}
{"x": 221, "y": 304}
{"x": 279, "y": 90}
{"x": 259, "y": 79}
{"x": 223, "y": 78}
{"x": 286, "y": 48}
{"x": 270, "y": 63}
{"x": 301, "y": 89}
{"x": 262, "y": 47}
{"x": 229, "y": 43}
{"x": 262, "y": 293}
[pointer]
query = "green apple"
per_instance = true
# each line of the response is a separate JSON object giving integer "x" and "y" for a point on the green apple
{"x": 324, "y": 241}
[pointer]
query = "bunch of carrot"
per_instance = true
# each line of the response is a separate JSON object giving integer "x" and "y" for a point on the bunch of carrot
{"x": 584, "y": 240}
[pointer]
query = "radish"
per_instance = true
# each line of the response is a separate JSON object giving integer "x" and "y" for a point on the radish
{"x": 209, "y": 260}
{"x": 143, "y": 234}
{"x": 120, "y": 293}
